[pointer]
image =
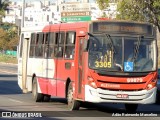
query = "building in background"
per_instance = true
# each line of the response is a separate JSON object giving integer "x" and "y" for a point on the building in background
{"x": 44, "y": 12}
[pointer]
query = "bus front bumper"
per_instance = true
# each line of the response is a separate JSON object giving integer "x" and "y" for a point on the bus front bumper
{"x": 107, "y": 96}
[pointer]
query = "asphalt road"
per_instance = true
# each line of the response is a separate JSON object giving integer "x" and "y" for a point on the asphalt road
{"x": 14, "y": 102}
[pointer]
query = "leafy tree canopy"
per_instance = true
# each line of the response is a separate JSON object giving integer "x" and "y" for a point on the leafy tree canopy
{"x": 3, "y": 6}
{"x": 103, "y": 4}
{"x": 8, "y": 38}
{"x": 138, "y": 10}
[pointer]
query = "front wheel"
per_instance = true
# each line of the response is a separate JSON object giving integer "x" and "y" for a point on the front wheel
{"x": 38, "y": 97}
{"x": 72, "y": 103}
{"x": 131, "y": 107}
{"x": 46, "y": 98}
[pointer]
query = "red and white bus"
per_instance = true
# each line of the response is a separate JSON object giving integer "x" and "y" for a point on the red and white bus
{"x": 98, "y": 61}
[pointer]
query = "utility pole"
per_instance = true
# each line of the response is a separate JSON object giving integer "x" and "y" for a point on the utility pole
{"x": 24, "y": 55}
{"x": 23, "y": 11}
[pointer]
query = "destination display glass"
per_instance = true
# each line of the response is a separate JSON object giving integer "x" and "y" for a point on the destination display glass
{"x": 120, "y": 27}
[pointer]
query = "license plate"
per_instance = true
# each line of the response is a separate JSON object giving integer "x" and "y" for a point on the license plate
{"x": 124, "y": 96}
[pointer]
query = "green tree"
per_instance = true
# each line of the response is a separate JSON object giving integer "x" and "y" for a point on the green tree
{"x": 12, "y": 45}
{"x": 128, "y": 10}
{"x": 3, "y": 42}
{"x": 136, "y": 10}
{"x": 12, "y": 38}
{"x": 103, "y": 4}
{"x": 3, "y": 6}
{"x": 8, "y": 38}
{"x": 140, "y": 10}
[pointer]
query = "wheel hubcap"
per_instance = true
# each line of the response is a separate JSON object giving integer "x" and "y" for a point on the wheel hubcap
{"x": 70, "y": 97}
{"x": 34, "y": 89}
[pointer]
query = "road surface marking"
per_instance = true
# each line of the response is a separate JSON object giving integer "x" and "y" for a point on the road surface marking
{"x": 15, "y": 100}
{"x": 7, "y": 72}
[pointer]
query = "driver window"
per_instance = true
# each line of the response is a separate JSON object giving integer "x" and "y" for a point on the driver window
{"x": 129, "y": 50}
{"x": 70, "y": 45}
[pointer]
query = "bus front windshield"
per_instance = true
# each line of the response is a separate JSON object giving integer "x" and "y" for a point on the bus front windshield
{"x": 128, "y": 54}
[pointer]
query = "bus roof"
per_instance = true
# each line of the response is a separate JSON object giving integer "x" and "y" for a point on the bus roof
{"x": 66, "y": 26}
{"x": 32, "y": 29}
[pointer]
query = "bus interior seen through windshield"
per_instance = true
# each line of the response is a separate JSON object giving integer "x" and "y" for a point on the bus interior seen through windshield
{"x": 122, "y": 53}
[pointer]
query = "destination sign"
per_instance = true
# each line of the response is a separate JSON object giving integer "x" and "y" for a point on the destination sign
{"x": 74, "y": 7}
{"x": 80, "y": 13}
{"x": 76, "y": 18}
{"x": 119, "y": 27}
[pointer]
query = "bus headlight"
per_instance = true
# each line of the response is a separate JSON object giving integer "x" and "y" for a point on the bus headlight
{"x": 91, "y": 82}
{"x": 151, "y": 84}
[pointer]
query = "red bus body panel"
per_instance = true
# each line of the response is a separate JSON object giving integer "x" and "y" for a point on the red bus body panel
{"x": 56, "y": 86}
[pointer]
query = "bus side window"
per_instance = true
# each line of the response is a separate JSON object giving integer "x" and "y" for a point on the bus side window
{"x": 59, "y": 44}
{"x": 46, "y": 45}
{"x": 70, "y": 45}
{"x": 39, "y": 45}
{"x": 50, "y": 45}
{"x": 32, "y": 45}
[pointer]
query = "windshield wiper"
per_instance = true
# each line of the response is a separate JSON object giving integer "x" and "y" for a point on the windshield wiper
{"x": 136, "y": 50}
{"x": 90, "y": 35}
{"x": 95, "y": 38}
{"x": 110, "y": 43}
{"x": 108, "y": 38}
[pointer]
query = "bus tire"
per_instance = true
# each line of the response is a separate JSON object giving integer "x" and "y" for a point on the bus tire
{"x": 158, "y": 97}
{"x": 38, "y": 97}
{"x": 131, "y": 107}
{"x": 46, "y": 98}
{"x": 72, "y": 104}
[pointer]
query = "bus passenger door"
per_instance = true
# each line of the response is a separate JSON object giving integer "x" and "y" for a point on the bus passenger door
{"x": 80, "y": 68}
{"x": 24, "y": 64}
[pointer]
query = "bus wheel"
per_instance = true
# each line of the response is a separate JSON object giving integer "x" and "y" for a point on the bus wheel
{"x": 46, "y": 98}
{"x": 72, "y": 104}
{"x": 38, "y": 97}
{"x": 131, "y": 107}
{"x": 158, "y": 97}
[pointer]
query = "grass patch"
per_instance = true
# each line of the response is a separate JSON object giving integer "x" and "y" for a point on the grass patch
{"x": 8, "y": 59}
